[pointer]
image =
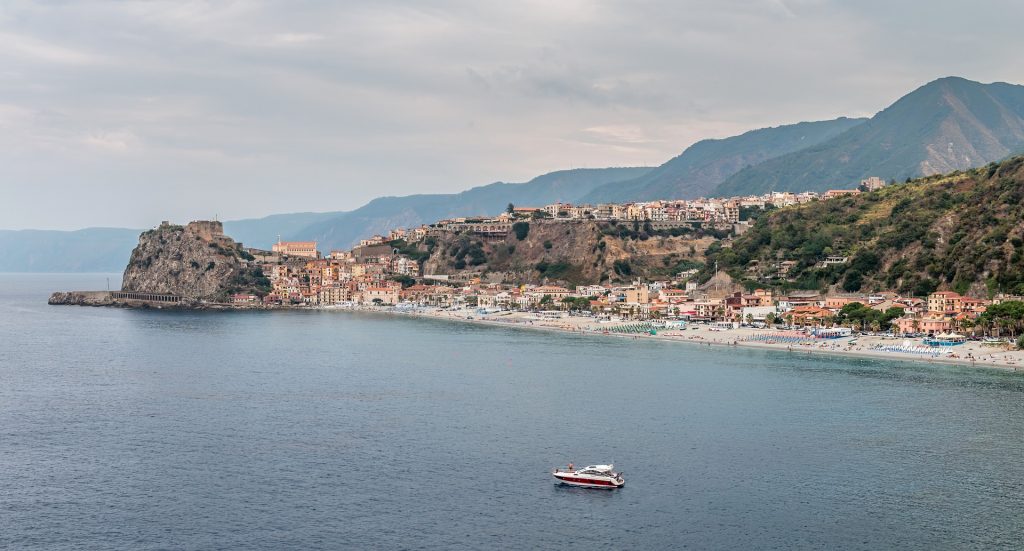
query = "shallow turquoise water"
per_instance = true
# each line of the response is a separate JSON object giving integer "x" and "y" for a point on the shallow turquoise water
{"x": 156, "y": 430}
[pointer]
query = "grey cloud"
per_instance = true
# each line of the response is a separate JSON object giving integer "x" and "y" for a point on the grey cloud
{"x": 122, "y": 113}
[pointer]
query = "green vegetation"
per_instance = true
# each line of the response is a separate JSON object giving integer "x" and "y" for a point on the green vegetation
{"x": 521, "y": 229}
{"x": 580, "y": 304}
{"x": 964, "y": 232}
{"x": 753, "y": 213}
{"x": 467, "y": 252}
{"x": 554, "y": 270}
{"x": 405, "y": 280}
{"x": 1005, "y": 317}
{"x": 858, "y": 315}
{"x": 635, "y": 231}
{"x": 249, "y": 280}
{"x": 622, "y": 268}
{"x": 547, "y": 244}
{"x": 412, "y": 250}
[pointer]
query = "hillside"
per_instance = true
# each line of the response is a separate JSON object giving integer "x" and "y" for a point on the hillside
{"x": 385, "y": 213}
{"x": 946, "y": 125}
{"x": 702, "y": 166}
{"x": 582, "y": 252}
{"x": 196, "y": 262}
{"x": 962, "y": 232}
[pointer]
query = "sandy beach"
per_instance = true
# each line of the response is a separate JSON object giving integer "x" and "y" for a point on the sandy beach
{"x": 972, "y": 353}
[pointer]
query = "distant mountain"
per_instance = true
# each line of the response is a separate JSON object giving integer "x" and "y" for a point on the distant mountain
{"x": 707, "y": 163}
{"x": 262, "y": 232}
{"x": 108, "y": 249}
{"x": 385, "y": 213}
{"x": 88, "y": 250}
{"x": 946, "y": 125}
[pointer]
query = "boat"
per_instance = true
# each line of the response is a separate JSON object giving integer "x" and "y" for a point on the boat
{"x": 591, "y": 476}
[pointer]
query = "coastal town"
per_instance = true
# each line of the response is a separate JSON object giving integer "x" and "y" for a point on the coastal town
{"x": 381, "y": 270}
{"x": 384, "y": 272}
{"x": 391, "y": 274}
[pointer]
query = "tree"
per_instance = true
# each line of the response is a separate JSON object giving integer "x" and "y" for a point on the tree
{"x": 1007, "y": 315}
{"x": 405, "y": 280}
{"x": 510, "y": 208}
{"x": 750, "y": 319}
{"x": 770, "y": 319}
{"x": 521, "y": 229}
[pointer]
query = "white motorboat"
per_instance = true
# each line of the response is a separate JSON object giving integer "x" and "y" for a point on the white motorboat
{"x": 591, "y": 476}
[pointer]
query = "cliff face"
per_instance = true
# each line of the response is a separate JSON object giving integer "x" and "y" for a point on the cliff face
{"x": 579, "y": 252}
{"x": 195, "y": 262}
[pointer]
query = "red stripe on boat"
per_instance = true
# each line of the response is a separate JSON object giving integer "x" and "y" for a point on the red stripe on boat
{"x": 585, "y": 481}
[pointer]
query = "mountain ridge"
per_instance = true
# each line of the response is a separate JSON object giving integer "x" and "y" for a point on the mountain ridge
{"x": 948, "y": 124}
{"x": 704, "y": 165}
{"x": 384, "y": 213}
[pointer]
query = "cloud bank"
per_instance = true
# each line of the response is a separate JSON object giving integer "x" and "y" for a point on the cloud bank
{"x": 124, "y": 114}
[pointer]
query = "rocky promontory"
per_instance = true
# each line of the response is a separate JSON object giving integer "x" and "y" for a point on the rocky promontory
{"x": 179, "y": 266}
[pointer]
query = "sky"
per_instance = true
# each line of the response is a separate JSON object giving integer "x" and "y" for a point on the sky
{"x": 127, "y": 113}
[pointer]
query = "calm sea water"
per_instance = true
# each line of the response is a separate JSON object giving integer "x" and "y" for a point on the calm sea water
{"x": 305, "y": 430}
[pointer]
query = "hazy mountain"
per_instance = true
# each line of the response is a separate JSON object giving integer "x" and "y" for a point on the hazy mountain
{"x": 948, "y": 124}
{"x": 707, "y": 163}
{"x": 385, "y": 213}
{"x": 108, "y": 249}
{"x": 88, "y": 250}
{"x": 262, "y": 232}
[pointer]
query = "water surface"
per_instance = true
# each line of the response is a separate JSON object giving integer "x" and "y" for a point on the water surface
{"x": 124, "y": 429}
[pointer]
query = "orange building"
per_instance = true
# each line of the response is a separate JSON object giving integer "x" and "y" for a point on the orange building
{"x": 809, "y": 315}
{"x": 946, "y": 302}
{"x": 304, "y": 249}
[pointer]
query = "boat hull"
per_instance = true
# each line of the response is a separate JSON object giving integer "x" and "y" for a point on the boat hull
{"x": 571, "y": 479}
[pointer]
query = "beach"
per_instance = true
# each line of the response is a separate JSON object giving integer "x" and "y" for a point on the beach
{"x": 971, "y": 353}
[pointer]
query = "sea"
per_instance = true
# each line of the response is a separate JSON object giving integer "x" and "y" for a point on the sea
{"x": 153, "y": 430}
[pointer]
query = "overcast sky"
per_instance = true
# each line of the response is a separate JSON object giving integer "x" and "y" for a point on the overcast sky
{"x": 125, "y": 114}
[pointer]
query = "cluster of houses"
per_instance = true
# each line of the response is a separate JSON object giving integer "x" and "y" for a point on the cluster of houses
{"x": 716, "y": 212}
{"x": 374, "y": 273}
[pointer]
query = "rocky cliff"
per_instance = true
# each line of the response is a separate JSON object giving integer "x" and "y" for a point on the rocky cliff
{"x": 579, "y": 252}
{"x": 195, "y": 262}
